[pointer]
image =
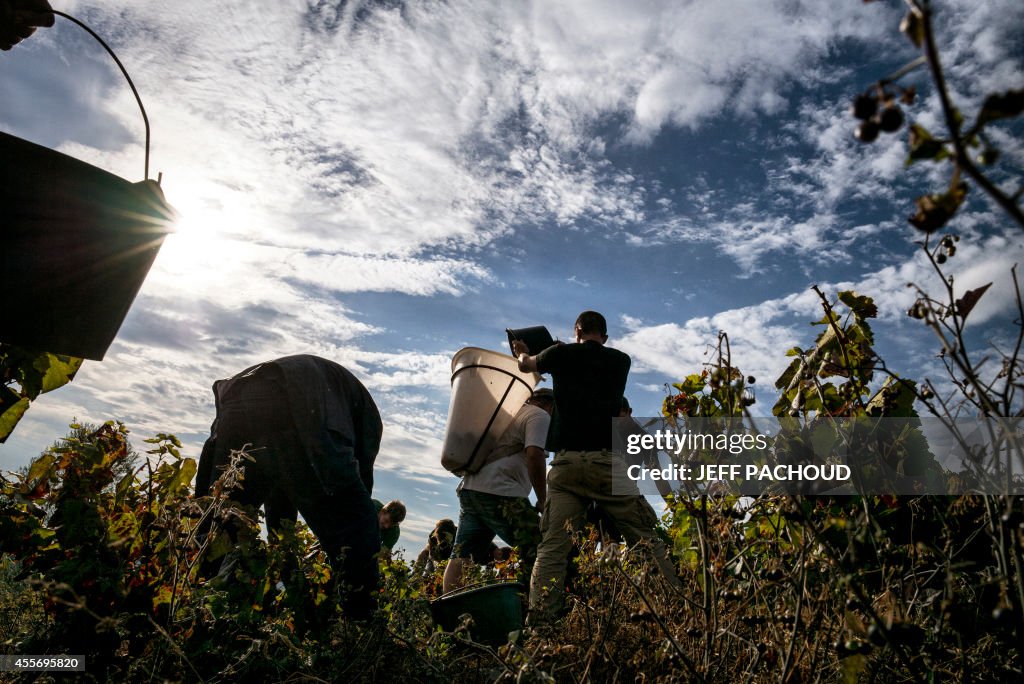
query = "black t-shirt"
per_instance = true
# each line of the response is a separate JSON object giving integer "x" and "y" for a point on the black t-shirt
{"x": 589, "y": 381}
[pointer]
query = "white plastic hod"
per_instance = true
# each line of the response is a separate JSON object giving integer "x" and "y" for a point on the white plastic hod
{"x": 488, "y": 389}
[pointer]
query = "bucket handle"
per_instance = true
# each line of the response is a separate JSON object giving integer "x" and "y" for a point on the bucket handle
{"x": 477, "y": 585}
{"x": 145, "y": 119}
{"x": 493, "y": 368}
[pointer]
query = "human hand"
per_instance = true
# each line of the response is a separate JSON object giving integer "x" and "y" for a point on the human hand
{"x": 20, "y": 18}
{"x": 519, "y": 347}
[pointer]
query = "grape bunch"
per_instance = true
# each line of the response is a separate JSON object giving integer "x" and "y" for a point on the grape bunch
{"x": 878, "y": 113}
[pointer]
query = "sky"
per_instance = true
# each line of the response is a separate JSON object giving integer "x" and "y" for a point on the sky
{"x": 384, "y": 183}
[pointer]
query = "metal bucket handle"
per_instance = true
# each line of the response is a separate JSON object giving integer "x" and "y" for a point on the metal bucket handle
{"x": 479, "y": 585}
{"x": 145, "y": 119}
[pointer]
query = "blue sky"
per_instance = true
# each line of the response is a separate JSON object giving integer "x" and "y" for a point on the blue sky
{"x": 383, "y": 183}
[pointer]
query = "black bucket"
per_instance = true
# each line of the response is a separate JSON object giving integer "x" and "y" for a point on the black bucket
{"x": 495, "y": 609}
{"x": 77, "y": 244}
{"x": 536, "y": 338}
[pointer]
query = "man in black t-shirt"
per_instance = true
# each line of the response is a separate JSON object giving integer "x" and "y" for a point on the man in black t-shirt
{"x": 589, "y": 381}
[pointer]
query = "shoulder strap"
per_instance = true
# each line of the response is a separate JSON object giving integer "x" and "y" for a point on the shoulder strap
{"x": 503, "y": 452}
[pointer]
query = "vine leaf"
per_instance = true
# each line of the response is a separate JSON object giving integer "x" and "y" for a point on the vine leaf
{"x": 1001, "y": 106}
{"x": 913, "y": 26}
{"x": 59, "y": 370}
{"x": 965, "y": 304}
{"x": 11, "y": 415}
{"x": 41, "y": 468}
{"x": 692, "y": 385}
{"x": 924, "y": 146}
{"x": 863, "y": 306}
{"x": 934, "y": 211}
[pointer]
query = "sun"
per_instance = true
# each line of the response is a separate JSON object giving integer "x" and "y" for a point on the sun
{"x": 207, "y": 245}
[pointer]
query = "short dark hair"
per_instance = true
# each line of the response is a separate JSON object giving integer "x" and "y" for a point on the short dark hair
{"x": 591, "y": 322}
{"x": 543, "y": 395}
{"x": 396, "y": 509}
{"x": 542, "y": 402}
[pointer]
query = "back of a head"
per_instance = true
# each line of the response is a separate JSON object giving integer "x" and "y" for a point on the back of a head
{"x": 543, "y": 397}
{"x": 591, "y": 322}
{"x": 396, "y": 509}
{"x": 443, "y": 535}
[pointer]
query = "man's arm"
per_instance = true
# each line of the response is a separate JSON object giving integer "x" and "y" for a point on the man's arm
{"x": 205, "y": 472}
{"x": 389, "y": 540}
{"x": 535, "y": 432}
{"x": 422, "y": 559}
{"x": 366, "y": 424}
{"x": 527, "y": 363}
{"x": 20, "y": 18}
{"x": 371, "y": 429}
{"x": 536, "y": 467}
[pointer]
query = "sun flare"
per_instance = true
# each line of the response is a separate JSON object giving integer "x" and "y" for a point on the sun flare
{"x": 206, "y": 244}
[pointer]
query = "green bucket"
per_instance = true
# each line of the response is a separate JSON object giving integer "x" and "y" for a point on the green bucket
{"x": 496, "y": 609}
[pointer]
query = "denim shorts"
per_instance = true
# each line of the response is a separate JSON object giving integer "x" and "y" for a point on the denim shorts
{"x": 483, "y": 515}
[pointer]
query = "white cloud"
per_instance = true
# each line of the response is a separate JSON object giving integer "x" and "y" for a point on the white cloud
{"x": 760, "y": 334}
{"x": 408, "y": 369}
{"x": 444, "y": 124}
{"x": 801, "y": 209}
{"x": 351, "y": 273}
{"x": 413, "y": 449}
{"x": 369, "y": 129}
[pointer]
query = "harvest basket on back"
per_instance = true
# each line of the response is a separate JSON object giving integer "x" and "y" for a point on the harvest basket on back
{"x": 488, "y": 389}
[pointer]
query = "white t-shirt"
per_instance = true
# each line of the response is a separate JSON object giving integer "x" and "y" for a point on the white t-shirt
{"x": 509, "y": 476}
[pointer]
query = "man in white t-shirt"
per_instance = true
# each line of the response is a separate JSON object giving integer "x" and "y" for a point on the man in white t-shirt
{"x": 495, "y": 499}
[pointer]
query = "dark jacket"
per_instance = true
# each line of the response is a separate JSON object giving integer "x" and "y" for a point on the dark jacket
{"x": 336, "y": 420}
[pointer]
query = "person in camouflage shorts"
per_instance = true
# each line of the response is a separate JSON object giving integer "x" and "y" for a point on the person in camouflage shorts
{"x": 493, "y": 501}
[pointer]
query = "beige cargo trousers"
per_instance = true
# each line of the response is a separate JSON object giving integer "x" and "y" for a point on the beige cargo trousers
{"x": 575, "y": 479}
